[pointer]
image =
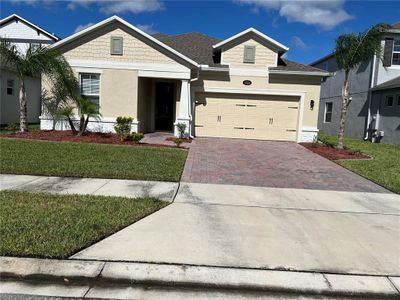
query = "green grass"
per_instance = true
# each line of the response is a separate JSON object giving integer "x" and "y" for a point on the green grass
{"x": 57, "y": 226}
{"x": 19, "y": 156}
{"x": 383, "y": 169}
{"x": 31, "y": 127}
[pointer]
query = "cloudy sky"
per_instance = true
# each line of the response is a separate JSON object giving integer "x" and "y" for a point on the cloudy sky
{"x": 308, "y": 27}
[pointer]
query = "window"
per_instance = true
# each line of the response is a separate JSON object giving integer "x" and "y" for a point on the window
{"x": 116, "y": 45}
{"x": 396, "y": 53}
{"x": 398, "y": 99}
{"x": 90, "y": 87}
{"x": 328, "y": 112}
{"x": 10, "y": 87}
{"x": 34, "y": 46}
{"x": 249, "y": 54}
{"x": 389, "y": 100}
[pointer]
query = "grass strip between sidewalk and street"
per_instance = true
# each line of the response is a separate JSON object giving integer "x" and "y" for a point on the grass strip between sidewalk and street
{"x": 70, "y": 159}
{"x": 56, "y": 226}
{"x": 383, "y": 169}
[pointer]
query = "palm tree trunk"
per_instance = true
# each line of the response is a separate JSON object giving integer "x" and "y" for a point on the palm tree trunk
{"x": 343, "y": 111}
{"x": 22, "y": 107}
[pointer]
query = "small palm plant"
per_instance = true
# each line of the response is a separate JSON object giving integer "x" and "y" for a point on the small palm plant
{"x": 351, "y": 50}
{"x": 34, "y": 63}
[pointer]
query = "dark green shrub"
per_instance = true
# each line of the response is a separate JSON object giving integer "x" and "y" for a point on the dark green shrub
{"x": 136, "y": 136}
{"x": 123, "y": 127}
{"x": 178, "y": 142}
{"x": 12, "y": 127}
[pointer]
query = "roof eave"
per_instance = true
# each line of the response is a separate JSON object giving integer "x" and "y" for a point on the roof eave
{"x": 10, "y": 17}
{"x": 304, "y": 73}
{"x": 213, "y": 69}
{"x": 116, "y": 18}
{"x": 282, "y": 47}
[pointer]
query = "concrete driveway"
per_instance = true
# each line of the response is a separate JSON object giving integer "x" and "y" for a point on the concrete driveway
{"x": 268, "y": 164}
{"x": 272, "y": 228}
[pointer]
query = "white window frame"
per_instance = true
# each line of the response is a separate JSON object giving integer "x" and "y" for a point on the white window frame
{"x": 397, "y": 52}
{"x": 12, "y": 87}
{"x": 90, "y": 94}
{"x": 326, "y": 111}
{"x": 34, "y": 46}
{"x": 387, "y": 100}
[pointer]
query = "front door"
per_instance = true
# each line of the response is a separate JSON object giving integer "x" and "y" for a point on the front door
{"x": 164, "y": 106}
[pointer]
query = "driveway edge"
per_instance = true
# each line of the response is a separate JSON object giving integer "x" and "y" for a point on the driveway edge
{"x": 130, "y": 273}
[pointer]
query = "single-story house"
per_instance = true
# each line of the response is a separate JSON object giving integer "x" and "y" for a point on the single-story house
{"x": 23, "y": 34}
{"x": 241, "y": 87}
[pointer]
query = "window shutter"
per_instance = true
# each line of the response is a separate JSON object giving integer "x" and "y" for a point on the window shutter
{"x": 249, "y": 54}
{"x": 388, "y": 52}
{"x": 116, "y": 45}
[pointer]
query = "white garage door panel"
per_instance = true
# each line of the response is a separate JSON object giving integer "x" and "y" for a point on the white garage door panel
{"x": 247, "y": 116}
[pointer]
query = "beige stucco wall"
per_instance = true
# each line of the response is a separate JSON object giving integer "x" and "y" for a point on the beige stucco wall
{"x": 97, "y": 47}
{"x": 264, "y": 56}
{"x": 119, "y": 93}
{"x": 308, "y": 85}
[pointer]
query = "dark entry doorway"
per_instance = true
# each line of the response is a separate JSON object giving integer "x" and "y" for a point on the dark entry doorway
{"x": 164, "y": 106}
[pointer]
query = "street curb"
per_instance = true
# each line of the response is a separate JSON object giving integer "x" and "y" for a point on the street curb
{"x": 126, "y": 273}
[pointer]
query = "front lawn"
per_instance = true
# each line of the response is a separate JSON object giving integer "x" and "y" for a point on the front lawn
{"x": 383, "y": 169}
{"x": 18, "y": 156}
{"x": 57, "y": 226}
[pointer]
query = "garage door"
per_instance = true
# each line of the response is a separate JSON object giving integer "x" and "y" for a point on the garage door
{"x": 247, "y": 116}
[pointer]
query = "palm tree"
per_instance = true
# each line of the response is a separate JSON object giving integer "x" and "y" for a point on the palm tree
{"x": 350, "y": 51}
{"x": 89, "y": 109}
{"x": 34, "y": 63}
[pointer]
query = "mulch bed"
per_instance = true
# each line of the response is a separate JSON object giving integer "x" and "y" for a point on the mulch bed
{"x": 185, "y": 140}
{"x": 68, "y": 136}
{"x": 333, "y": 153}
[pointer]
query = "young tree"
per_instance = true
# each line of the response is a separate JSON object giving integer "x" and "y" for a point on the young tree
{"x": 34, "y": 63}
{"x": 351, "y": 50}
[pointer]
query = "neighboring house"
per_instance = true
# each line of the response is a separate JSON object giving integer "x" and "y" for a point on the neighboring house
{"x": 238, "y": 88}
{"x": 23, "y": 34}
{"x": 374, "y": 110}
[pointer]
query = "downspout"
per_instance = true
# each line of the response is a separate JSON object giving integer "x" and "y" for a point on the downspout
{"x": 370, "y": 98}
{"x": 190, "y": 102}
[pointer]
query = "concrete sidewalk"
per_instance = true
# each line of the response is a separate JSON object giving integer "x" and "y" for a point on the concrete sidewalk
{"x": 101, "y": 279}
{"x": 265, "y": 228}
{"x": 90, "y": 186}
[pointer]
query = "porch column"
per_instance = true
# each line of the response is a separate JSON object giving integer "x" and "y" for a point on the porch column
{"x": 184, "y": 108}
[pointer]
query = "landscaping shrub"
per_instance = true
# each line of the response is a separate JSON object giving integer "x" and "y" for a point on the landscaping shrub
{"x": 12, "y": 127}
{"x": 181, "y": 129}
{"x": 178, "y": 142}
{"x": 123, "y": 127}
{"x": 136, "y": 136}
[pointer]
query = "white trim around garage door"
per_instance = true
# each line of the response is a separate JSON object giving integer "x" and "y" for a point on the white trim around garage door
{"x": 300, "y": 94}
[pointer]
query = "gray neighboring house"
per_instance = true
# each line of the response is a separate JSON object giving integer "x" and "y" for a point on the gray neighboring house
{"x": 23, "y": 34}
{"x": 374, "y": 110}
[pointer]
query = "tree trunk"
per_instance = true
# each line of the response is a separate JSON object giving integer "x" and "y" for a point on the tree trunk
{"x": 71, "y": 124}
{"x": 22, "y": 107}
{"x": 83, "y": 125}
{"x": 343, "y": 111}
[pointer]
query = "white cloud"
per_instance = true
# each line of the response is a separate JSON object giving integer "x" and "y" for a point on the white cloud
{"x": 325, "y": 14}
{"x": 109, "y": 7}
{"x": 299, "y": 43}
{"x": 81, "y": 27}
{"x": 148, "y": 28}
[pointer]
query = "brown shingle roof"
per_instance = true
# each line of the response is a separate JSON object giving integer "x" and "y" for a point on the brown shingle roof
{"x": 198, "y": 47}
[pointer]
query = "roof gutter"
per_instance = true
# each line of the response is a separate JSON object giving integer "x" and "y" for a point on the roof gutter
{"x": 213, "y": 69}
{"x": 306, "y": 73}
